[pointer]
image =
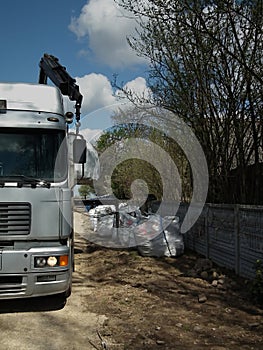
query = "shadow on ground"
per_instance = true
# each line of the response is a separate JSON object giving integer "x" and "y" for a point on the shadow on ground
{"x": 48, "y": 303}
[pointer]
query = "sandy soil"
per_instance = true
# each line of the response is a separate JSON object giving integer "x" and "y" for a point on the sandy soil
{"x": 164, "y": 303}
{"x": 121, "y": 300}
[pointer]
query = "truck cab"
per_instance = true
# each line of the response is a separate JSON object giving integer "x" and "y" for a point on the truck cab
{"x": 36, "y": 236}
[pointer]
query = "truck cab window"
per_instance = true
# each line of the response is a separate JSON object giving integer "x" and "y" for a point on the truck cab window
{"x": 38, "y": 153}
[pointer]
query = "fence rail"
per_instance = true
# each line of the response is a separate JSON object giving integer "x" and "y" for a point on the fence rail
{"x": 229, "y": 235}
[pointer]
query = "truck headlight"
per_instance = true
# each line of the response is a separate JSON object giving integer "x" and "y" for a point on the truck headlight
{"x": 40, "y": 262}
{"x": 51, "y": 261}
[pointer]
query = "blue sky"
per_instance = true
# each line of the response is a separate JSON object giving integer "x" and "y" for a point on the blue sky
{"x": 88, "y": 37}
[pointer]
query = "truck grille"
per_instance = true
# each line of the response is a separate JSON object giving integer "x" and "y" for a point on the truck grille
{"x": 12, "y": 286}
{"x": 15, "y": 218}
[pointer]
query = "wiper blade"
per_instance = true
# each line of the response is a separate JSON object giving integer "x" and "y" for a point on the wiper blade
{"x": 23, "y": 179}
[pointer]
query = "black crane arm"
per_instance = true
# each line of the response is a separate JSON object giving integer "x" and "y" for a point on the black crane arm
{"x": 52, "y": 69}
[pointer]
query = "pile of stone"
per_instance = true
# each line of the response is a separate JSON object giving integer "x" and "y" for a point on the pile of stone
{"x": 205, "y": 270}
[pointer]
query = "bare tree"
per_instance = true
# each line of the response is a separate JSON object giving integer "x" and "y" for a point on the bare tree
{"x": 206, "y": 66}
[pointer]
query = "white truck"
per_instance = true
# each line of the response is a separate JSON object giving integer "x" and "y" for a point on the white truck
{"x": 36, "y": 235}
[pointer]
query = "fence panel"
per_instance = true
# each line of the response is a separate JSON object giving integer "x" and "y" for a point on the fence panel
{"x": 195, "y": 238}
{"x": 229, "y": 235}
{"x": 250, "y": 239}
{"x": 221, "y": 236}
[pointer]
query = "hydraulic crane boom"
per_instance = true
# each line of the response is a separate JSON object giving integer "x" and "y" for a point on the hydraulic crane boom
{"x": 52, "y": 69}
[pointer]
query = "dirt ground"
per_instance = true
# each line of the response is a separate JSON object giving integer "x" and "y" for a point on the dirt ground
{"x": 163, "y": 303}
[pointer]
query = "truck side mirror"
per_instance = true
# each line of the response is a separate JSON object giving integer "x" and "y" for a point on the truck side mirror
{"x": 79, "y": 151}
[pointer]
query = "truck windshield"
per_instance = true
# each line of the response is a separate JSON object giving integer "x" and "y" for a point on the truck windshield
{"x": 36, "y": 153}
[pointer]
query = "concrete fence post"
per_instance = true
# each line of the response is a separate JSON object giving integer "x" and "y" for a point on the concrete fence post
{"x": 237, "y": 239}
{"x": 207, "y": 231}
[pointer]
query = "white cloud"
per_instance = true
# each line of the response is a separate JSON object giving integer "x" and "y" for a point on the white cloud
{"x": 106, "y": 27}
{"x": 96, "y": 90}
{"x": 100, "y": 101}
{"x": 138, "y": 88}
{"x": 98, "y": 93}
